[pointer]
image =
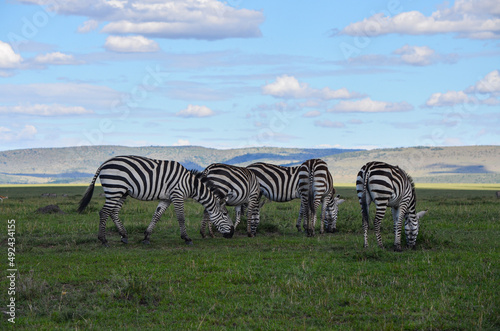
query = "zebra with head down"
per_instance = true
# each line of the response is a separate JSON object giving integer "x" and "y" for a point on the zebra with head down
{"x": 147, "y": 179}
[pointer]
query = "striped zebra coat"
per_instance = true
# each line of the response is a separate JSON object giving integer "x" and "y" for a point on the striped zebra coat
{"x": 388, "y": 186}
{"x": 316, "y": 188}
{"x": 241, "y": 188}
{"x": 148, "y": 179}
{"x": 281, "y": 184}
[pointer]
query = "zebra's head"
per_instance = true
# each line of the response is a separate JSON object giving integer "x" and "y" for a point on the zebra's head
{"x": 332, "y": 212}
{"x": 412, "y": 225}
{"x": 220, "y": 218}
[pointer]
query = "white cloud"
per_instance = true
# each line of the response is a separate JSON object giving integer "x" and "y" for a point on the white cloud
{"x": 56, "y": 58}
{"x": 9, "y": 134}
{"x": 406, "y": 55}
{"x": 476, "y": 19}
{"x": 449, "y": 98}
{"x": 88, "y": 26}
{"x": 329, "y": 124}
{"x": 415, "y": 55}
{"x": 196, "y": 111}
{"x": 182, "y": 142}
{"x": 312, "y": 113}
{"x": 488, "y": 86}
{"x": 199, "y": 19}
{"x": 86, "y": 95}
{"x": 131, "y": 44}
{"x": 8, "y": 58}
{"x": 368, "y": 105}
{"x": 45, "y": 110}
{"x": 289, "y": 87}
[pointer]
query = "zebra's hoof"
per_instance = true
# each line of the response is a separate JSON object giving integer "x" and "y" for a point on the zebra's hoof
{"x": 189, "y": 242}
{"x": 125, "y": 240}
{"x": 397, "y": 248}
{"x": 145, "y": 241}
{"x": 105, "y": 245}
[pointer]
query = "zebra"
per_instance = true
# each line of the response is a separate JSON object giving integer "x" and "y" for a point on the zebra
{"x": 281, "y": 184}
{"x": 147, "y": 179}
{"x": 315, "y": 188}
{"x": 241, "y": 188}
{"x": 388, "y": 186}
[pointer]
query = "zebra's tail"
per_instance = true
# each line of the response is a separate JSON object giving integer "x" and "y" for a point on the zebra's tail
{"x": 364, "y": 204}
{"x": 88, "y": 193}
{"x": 312, "y": 192}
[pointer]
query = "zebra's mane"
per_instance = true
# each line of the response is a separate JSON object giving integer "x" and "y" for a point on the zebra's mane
{"x": 215, "y": 190}
{"x": 196, "y": 173}
{"x": 411, "y": 181}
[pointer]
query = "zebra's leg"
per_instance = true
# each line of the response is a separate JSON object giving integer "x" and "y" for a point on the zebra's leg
{"x": 249, "y": 222}
{"x": 364, "y": 201}
{"x": 301, "y": 217}
{"x": 238, "y": 210}
{"x": 204, "y": 222}
{"x": 398, "y": 216}
{"x": 178, "y": 202}
{"x": 311, "y": 222}
{"x": 162, "y": 206}
{"x": 324, "y": 218}
{"x": 379, "y": 215}
{"x": 210, "y": 227}
{"x": 253, "y": 216}
{"x": 110, "y": 206}
{"x": 103, "y": 216}
{"x": 118, "y": 223}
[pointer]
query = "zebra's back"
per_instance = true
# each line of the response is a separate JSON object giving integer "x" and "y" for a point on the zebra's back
{"x": 238, "y": 183}
{"x": 384, "y": 183}
{"x": 142, "y": 178}
{"x": 277, "y": 183}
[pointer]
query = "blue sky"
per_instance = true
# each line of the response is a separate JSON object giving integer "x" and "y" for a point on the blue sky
{"x": 240, "y": 73}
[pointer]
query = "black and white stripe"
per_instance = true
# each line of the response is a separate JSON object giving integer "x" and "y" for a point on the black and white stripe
{"x": 148, "y": 179}
{"x": 281, "y": 184}
{"x": 241, "y": 188}
{"x": 388, "y": 186}
{"x": 315, "y": 188}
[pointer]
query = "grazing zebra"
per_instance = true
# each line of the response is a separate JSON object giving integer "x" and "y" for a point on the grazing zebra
{"x": 281, "y": 184}
{"x": 315, "y": 188}
{"x": 241, "y": 188}
{"x": 388, "y": 186}
{"x": 147, "y": 179}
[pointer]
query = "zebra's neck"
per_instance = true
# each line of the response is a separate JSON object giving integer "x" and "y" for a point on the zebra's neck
{"x": 202, "y": 194}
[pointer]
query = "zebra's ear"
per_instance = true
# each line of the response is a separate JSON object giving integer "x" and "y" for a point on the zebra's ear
{"x": 421, "y": 214}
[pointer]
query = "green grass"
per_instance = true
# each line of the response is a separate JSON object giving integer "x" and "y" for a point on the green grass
{"x": 280, "y": 280}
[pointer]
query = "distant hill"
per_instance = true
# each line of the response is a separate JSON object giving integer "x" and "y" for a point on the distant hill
{"x": 426, "y": 164}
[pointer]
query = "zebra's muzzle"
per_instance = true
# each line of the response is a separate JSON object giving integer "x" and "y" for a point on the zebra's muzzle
{"x": 229, "y": 234}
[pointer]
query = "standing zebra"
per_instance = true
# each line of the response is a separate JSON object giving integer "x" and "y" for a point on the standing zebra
{"x": 316, "y": 187}
{"x": 148, "y": 179}
{"x": 241, "y": 188}
{"x": 388, "y": 186}
{"x": 281, "y": 184}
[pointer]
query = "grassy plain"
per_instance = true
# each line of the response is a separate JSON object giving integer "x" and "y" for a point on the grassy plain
{"x": 280, "y": 280}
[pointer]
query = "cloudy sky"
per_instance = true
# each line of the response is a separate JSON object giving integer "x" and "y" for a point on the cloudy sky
{"x": 241, "y": 73}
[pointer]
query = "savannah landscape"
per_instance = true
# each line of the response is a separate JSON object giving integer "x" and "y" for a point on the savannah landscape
{"x": 280, "y": 279}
